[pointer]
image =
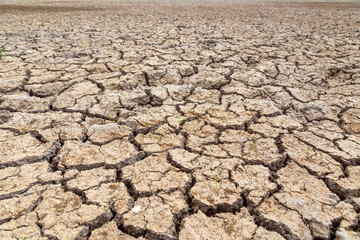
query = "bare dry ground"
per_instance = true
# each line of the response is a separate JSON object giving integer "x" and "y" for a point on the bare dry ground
{"x": 180, "y": 121}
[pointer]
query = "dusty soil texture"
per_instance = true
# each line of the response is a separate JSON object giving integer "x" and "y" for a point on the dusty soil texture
{"x": 180, "y": 121}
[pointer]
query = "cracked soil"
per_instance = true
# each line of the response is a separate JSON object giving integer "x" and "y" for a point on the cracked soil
{"x": 135, "y": 120}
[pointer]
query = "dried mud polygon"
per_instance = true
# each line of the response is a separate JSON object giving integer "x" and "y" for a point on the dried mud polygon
{"x": 179, "y": 121}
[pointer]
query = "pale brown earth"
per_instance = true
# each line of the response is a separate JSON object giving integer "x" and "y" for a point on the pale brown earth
{"x": 180, "y": 121}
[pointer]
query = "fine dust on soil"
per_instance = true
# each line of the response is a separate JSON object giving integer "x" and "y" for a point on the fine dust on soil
{"x": 124, "y": 120}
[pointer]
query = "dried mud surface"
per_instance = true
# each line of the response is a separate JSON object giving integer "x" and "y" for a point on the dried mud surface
{"x": 180, "y": 121}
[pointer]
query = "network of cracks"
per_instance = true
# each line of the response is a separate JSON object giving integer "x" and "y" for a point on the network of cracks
{"x": 180, "y": 121}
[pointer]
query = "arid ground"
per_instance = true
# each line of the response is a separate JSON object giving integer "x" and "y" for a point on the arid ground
{"x": 190, "y": 121}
